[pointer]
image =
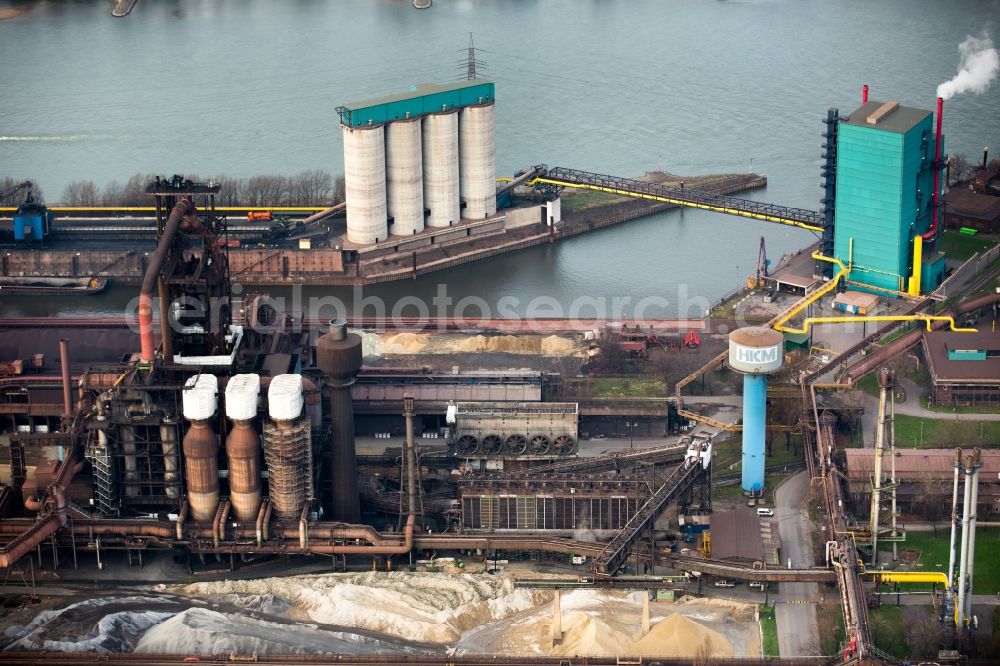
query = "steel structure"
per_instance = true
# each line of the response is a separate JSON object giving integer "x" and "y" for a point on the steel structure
{"x": 679, "y": 196}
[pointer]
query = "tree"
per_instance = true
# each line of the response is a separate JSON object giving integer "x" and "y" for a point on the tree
{"x": 81, "y": 193}
{"x": 611, "y": 358}
{"x": 922, "y": 633}
{"x": 960, "y": 169}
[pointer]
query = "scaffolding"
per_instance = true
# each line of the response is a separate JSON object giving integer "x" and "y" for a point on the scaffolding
{"x": 288, "y": 454}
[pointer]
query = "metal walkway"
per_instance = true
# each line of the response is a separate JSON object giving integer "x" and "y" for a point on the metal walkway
{"x": 798, "y": 217}
{"x": 618, "y": 549}
{"x": 606, "y": 463}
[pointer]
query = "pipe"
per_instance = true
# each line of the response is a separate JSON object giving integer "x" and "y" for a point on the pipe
{"x": 166, "y": 341}
{"x": 67, "y": 381}
{"x": 977, "y": 453}
{"x": 260, "y": 522}
{"x": 957, "y": 462}
{"x": 182, "y": 209}
{"x": 411, "y": 455}
{"x": 931, "y": 233}
{"x": 374, "y": 549}
{"x": 963, "y": 558}
{"x": 218, "y": 527}
{"x": 267, "y": 520}
{"x": 181, "y": 517}
{"x": 304, "y": 527}
{"x": 316, "y": 217}
{"x": 864, "y": 94}
{"x": 32, "y": 503}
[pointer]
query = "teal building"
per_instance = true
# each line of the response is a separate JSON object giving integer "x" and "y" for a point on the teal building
{"x": 418, "y": 101}
{"x": 885, "y": 184}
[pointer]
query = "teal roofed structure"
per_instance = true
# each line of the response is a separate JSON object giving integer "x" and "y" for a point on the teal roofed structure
{"x": 885, "y": 183}
{"x": 419, "y": 100}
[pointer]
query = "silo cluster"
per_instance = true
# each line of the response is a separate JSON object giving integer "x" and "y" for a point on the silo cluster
{"x": 286, "y": 447}
{"x": 425, "y": 159}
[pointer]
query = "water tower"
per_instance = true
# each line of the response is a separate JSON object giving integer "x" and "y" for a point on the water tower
{"x": 755, "y": 352}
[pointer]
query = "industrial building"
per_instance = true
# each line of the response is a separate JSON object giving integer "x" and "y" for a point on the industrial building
{"x": 964, "y": 368}
{"x": 925, "y": 480}
{"x": 422, "y": 158}
{"x": 885, "y": 196}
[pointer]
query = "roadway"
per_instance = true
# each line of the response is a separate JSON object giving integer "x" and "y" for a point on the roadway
{"x": 796, "y": 618}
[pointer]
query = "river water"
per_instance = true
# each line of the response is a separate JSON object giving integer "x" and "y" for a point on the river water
{"x": 243, "y": 87}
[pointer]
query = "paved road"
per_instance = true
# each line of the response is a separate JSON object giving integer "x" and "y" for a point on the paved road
{"x": 797, "y": 631}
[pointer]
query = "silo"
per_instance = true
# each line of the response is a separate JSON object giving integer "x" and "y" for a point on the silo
{"x": 441, "y": 189}
{"x": 287, "y": 448}
{"x": 364, "y": 183}
{"x": 477, "y": 160}
{"x": 338, "y": 355}
{"x": 201, "y": 447}
{"x": 755, "y": 352}
{"x": 404, "y": 185}
{"x": 243, "y": 447}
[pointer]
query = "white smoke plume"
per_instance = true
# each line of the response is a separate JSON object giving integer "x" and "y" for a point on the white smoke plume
{"x": 977, "y": 67}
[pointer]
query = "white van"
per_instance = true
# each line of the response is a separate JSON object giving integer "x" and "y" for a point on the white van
{"x": 765, "y": 512}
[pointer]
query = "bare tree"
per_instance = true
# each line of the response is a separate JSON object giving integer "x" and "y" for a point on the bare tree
{"x": 703, "y": 656}
{"x": 81, "y": 193}
{"x": 922, "y": 633}
{"x": 960, "y": 169}
{"x": 9, "y": 196}
{"x": 339, "y": 190}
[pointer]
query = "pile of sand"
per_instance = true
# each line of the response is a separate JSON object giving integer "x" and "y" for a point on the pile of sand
{"x": 679, "y": 636}
{"x": 584, "y": 634}
{"x": 402, "y": 343}
{"x": 557, "y": 346}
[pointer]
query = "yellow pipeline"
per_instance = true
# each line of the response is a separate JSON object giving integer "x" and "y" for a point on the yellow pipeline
{"x": 678, "y": 202}
{"x": 779, "y": 324}
{"x": 908, "y": 577}
{"x": 847, "y": 320}
{"x": 918, "y": 251}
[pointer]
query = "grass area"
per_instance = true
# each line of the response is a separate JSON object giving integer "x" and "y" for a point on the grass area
{"x": 931, "y": 552}
{"x": 629, "y": 387}
{"x": 921, "y": 433}
{"x": 886, "y": 625}
{"x": 585, "y": 199}
{"x": 868, "y": 384}
{"x": 769, "y": 631}
{"x": 961, "y": 246}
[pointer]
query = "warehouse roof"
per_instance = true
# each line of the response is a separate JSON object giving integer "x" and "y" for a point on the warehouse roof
{"x": 961, "y": 201}
{"x": 736, "y": 535}
{"x": 917, "y": 463}
{"x": 937, "y": 344}
{"x": 893, "y": 119}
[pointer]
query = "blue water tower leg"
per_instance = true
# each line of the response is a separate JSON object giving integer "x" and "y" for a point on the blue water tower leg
{"x": 754, "y": 418}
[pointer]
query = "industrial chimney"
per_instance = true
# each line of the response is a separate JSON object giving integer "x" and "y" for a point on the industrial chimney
{"x": 338, "y": 355}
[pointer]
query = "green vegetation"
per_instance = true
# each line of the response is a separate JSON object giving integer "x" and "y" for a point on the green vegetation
{"x": 886, "y": 625}
{"x": 921, "y": 433}
{"x": 930, "y": 551}
{"x": 628, "y": 387}
{"x": 960, "y": 410}
{"x": 961, "y": 246}
{"x": 769, "y": 631}
{"x": 868, "y": 384}
{"x": 586, "y": 199}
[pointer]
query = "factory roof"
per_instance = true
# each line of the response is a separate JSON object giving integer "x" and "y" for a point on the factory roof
{"x": 916, "y": 463}
{"x": 736, "y": 535}
{"x": 886, "y": 117}
{"x": 941, "y": 347}
{"x": 420, "y": 99}
{"x": 964, "y": 202}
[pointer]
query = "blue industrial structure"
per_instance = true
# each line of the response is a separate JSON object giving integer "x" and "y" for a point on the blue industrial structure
{"x": 418, "y": 101}
{"x": 754, "y": 430}
{"x": 884, "y": 191}
{"x": 32, "y": 220}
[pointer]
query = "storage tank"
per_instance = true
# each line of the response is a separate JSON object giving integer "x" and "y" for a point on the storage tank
{"x": 243, "y": 447}
{"x": 441, "y": 188}
{"x": 201, "y": 447}
{"x": 404, "y": 180}
{"x": 477, "y": 160}
{"x": 364, "y": 183}
{"x": 338, "y": 355}
{"x": 287, "y": 448}
{"x": 755, "y": 352}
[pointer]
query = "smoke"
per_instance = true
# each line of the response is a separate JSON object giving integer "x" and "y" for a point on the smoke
{"x": 977, "y": 67}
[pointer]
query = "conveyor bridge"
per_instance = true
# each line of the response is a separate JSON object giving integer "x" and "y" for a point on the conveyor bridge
{"x": 606, "y": 463}
{"x": 680, "y": 196}
{"x": 618, "y": 549}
